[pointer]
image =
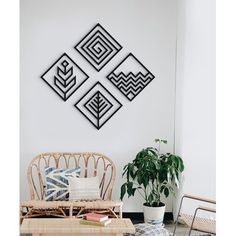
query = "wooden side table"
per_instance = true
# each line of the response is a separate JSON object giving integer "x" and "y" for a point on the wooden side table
{"x": 72, "y": 227}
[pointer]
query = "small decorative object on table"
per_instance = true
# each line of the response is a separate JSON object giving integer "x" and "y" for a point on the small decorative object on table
{"x": 95, "y": 219}
{"x": 152, "y": 174}
{"x": 97, "y": 223}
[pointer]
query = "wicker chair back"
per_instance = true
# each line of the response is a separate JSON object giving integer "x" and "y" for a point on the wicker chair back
{"x": 91, "y": 164}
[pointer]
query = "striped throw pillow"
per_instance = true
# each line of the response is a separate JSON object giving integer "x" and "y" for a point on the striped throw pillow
{"x": 84, "y": 188}
{"x": 57, "y": 183}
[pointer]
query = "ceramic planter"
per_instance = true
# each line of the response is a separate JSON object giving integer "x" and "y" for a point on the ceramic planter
{"x": 154, "y": 215}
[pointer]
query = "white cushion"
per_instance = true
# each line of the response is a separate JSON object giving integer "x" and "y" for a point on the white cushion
{"x": 84, "y": 188}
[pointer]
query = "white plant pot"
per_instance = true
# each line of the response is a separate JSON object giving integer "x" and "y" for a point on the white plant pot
{"x": 154, "y": 215}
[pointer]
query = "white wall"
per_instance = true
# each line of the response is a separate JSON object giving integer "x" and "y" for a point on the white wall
{"x": 49, "y": 28}
{"x": 195, "y": 95}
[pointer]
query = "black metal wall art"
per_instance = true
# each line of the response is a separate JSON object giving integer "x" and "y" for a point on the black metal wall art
{"x": 130, "y": 76}
{"x": 64, "y": 76}
{"x": 98, "y": 47}
{"x": 98, "y": 105}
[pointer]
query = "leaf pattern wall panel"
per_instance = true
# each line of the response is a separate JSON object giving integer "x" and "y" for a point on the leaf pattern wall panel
{"x": 98, "y": 105}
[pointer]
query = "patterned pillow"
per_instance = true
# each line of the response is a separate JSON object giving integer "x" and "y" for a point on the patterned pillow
{"x": 57, "y": 183}
{"x": 146, "y": 229}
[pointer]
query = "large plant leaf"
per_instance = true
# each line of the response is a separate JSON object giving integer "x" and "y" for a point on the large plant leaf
{"x": 130, "y": 188}
{"x": 162, "y": 188}
{"x": 133, "y": 191}
{"x": 150, "y": 198}
{"x": 166, "y": 192}
{"x": 125, "y": 170}
{"x": 145, "y": 180}
{"x": 122, "y": 191}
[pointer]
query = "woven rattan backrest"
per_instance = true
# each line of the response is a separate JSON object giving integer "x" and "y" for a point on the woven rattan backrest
{"x": 91, "y": 164}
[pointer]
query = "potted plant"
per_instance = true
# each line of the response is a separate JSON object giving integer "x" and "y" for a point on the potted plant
{"x": 152, "y": 174}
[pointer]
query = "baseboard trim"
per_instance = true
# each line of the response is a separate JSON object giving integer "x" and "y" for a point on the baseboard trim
{"x": 138, "y": 216}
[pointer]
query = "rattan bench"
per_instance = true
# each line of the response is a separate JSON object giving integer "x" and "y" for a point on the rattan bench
{"x": 91, "y": 164}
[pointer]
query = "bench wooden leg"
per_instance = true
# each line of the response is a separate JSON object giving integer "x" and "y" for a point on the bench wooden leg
{"x": 120, "y": 212}
{"x": 71, "y": 211}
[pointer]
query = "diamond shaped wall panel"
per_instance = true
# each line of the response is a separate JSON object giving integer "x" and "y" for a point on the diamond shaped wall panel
{"x": 98, "y": 47}
{"x": 130, "y": 76}
{"x": 64, "y": 76}
{"x": 98, "y": 105}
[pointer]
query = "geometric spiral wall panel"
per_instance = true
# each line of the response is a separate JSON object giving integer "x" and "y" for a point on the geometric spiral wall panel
{"x": 98, "y": 47}
{"x": 130, "y": 76}
{"x": 98, "y": 105}
{"x": 64, "y": 76}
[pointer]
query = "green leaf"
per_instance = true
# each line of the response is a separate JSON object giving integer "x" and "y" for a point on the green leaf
{"x": 166, "y": 192}
{"x": 181, "y": 165}
{"x": 150, "y": 198}
{"x": 145, "y": 181}
{"x": 139, "y": 179}
{"x": 162, "y": 188}
{"x": 125, "y": 170}
{"x": 122, "y": 191}
{"x": 133, "y": 191}
{"x": 130, "y": 188}
{"x": 164, "y": 141}
{"x": 132, "y": 173}
{"x": 130, "y": 170}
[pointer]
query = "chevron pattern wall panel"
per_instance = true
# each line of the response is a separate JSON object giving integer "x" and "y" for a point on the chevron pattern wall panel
{"x": 130, "y": 76}
{"x": 64, "y": 76}
{"x": 98, "y": 47}
{"x": 98, "y": 105}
